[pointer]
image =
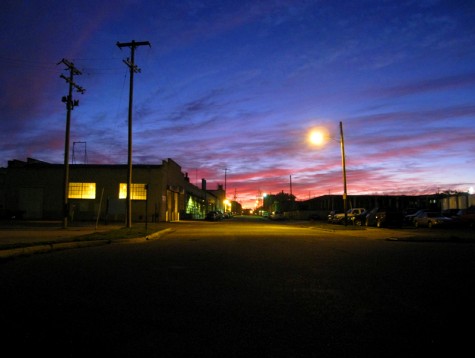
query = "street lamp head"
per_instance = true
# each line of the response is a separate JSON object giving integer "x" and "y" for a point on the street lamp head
{"x": 318, "y": 136}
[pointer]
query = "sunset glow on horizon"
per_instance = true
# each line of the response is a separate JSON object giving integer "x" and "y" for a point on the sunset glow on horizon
{"x": 232, "y": 91}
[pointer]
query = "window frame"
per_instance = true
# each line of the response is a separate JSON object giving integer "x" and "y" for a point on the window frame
{"x": 83, "y": 191}
{"x": 138, "y": 191}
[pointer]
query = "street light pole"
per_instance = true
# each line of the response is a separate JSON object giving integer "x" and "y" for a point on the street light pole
{"x": 343, "y": 164}
{"x": 317, "y": 137}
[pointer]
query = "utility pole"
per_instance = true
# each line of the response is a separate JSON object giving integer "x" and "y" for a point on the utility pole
{"x": 225, "y": 171}
{"x": 70, "y": 104}
{"x": 133, "y": 69}
{"x": 343, "y": 165}
{"x": 290, "y": 185}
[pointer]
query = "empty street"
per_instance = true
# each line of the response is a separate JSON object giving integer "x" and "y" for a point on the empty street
{"x": 243, "y": 287}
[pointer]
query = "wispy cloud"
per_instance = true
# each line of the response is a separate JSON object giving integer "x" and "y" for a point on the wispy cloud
{"x": 237, "y": 84}
{"x": 428, "y": 85}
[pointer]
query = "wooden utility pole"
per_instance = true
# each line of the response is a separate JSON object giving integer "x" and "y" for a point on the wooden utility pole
{"x": 133, "y": 69}
{"x": 70, "y": 104}
{"x": 291, "y": 185}
{"x": 225, "y": 171}
{"x": 343, "y": 164}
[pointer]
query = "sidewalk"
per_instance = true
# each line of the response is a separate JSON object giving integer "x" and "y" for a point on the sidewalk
{"x": 29, "y": 237}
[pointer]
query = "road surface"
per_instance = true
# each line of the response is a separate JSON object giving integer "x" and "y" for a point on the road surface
{"x": 241, "y": 288}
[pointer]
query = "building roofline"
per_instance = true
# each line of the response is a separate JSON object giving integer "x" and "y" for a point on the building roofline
{"x": 15, "y": 163}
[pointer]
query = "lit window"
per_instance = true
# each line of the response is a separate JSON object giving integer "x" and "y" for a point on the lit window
{"x": 82, "y": 191}
{"x": 137, "y": 192}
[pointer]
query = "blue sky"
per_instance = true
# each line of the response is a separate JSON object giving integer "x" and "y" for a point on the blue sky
{"x": 239, "y": 85}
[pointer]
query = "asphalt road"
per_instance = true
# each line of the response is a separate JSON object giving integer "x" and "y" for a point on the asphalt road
{"x": 241, "y": 288}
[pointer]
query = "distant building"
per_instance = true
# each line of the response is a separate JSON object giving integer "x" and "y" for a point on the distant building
{"x": 219, "y": 197}
{"x": 394, "y": 202}
{"x": 458, "y": 201}
{"x": 34, "y": 189}
{"x": 236, "y": 208}
{"x": 322, "y": 205}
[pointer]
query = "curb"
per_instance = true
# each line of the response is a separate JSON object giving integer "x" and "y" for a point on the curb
{"x": 153, "y": 236}
{"x": 39, "y": 249}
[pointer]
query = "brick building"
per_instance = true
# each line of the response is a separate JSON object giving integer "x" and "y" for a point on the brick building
{"x": 34, "y": 190}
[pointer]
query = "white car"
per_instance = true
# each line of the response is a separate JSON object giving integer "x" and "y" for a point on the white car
{"x": 431, "y": 219}
{"x": 339, "y": 218}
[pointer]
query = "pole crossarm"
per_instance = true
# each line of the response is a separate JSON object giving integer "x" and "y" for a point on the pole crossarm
{"x": 78, "y": 88}
{"x": 133, "y": 43}
{"x": 70, "y": 66}
{"x": 133, "y": 67}
{"x": 73, "y": 71}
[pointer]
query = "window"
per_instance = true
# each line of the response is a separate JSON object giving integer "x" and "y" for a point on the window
{"x": 82, "y": 191}
{"x": 137, "y": 191}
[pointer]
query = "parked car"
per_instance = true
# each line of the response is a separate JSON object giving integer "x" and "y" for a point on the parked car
{"x": 340, "y": 218}
{"x": 213, "y": 216}
{"x": 370, "y": 219}
{"x": 409, "y": 218}
{"x": 313, "y": 217}
{"x": 389, "y": 218}
{"x": 277, "y": 215}
{"x": 466, "y": 217}
{"x": 360, "y": 219}
{"x": 432, "y": 219}
{"x": 227, "y": 215}
{"x": 451, "y": 213}
{"x": 331, "y": 215}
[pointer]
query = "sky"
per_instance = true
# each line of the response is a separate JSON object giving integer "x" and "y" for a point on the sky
{"x": 230, "y": 90}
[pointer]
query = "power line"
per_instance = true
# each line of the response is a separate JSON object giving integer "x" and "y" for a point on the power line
{"x": 27, "y": 63}
{"x": 49, "y": 66}
{"x": 85, "y": 152}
